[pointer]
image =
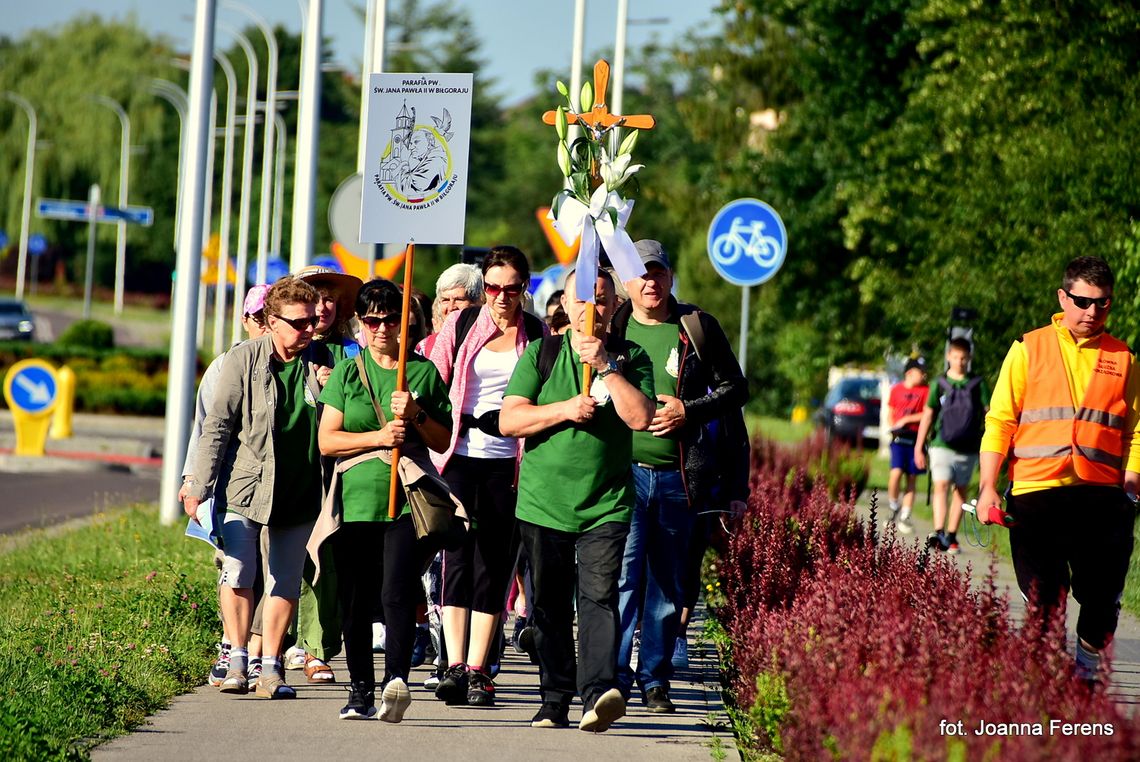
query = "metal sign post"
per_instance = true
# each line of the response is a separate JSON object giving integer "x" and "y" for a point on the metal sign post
{"x": 747, "y": 243}
{"x": 89, "y": 277}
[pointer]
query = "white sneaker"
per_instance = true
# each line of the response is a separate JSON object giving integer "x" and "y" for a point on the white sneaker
{"x": 432, "y": 682}
{"x": 904, "y": 525}
{"x": 295, "y": 658}
{"x": 395, "y": 700}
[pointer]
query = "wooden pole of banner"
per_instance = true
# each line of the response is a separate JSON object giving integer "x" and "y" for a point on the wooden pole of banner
{"x": 402, "y": 367}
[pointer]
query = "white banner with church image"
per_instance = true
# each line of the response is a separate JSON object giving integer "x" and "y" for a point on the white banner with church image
{"x": 416, "y": 157}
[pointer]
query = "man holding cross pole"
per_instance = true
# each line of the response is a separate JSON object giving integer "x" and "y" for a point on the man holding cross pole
{"x": 579, "y": 438}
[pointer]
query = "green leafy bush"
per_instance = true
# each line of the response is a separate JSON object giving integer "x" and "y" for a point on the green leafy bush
{"x": 88, "y": 333}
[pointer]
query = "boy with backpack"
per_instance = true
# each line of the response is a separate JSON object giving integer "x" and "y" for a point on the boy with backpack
{"x": 955, "y": 410}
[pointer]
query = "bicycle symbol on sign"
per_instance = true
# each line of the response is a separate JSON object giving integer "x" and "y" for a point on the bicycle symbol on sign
{"x": 729, "y": 246}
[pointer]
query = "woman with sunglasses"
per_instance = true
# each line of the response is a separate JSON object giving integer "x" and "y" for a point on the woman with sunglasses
{"x": 258, "y": 451}
{"x": 318, "y": 615}
{"x": 374, "y": 554}
{"x": 476, "y": 353}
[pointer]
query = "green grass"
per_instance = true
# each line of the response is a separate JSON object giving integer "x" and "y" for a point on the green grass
{"x": 100, "y": 626}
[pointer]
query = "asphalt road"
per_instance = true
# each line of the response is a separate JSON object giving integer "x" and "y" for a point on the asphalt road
{"x": 37, "y": 499}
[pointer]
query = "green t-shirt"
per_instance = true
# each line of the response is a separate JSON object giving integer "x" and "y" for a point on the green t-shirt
{"x": 575, "y": 477}
{"x": 660, "y": 343}
{"x": 934, "y": 402}
{"x": 297, "y": 463}
{"x": 364, "y": 489}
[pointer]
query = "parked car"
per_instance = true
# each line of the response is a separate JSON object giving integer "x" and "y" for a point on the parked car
{"x": 851, "y": 410}
{"x": 16, "y": 321}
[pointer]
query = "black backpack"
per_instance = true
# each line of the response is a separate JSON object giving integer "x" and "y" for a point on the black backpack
{"x": 961, "y": 414}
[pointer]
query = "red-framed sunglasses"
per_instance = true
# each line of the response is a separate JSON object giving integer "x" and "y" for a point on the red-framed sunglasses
{"x": 494, "y": 289}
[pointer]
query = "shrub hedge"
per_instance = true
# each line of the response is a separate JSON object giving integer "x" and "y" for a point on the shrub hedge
{"x": 842, "y": 644}
{"x": 122, "y": 380}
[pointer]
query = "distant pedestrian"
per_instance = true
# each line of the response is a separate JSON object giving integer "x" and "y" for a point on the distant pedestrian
{"x": 458, "y": 287}
{"x": 1064, "y": 412}
{"x": 575, "y": 499}
{"x": 955, "y": 413}
{"x": 905, "y": 406}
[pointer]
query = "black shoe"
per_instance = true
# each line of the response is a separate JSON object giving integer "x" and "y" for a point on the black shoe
{"x": 480, "y": 689}
{"x": 520, "y": 625}
{"x": 657, "y": 700}
{"x": 934, "y": 541}
{"x": 551, "y": 715}
{"x": 419, "y": 648}
{"x": 452, "y": 689}
{"x": 361, "y": 704}
{"x": 527, "y": 643}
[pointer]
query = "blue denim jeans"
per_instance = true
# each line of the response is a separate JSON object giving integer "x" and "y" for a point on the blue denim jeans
{"x": 651, "y": 584}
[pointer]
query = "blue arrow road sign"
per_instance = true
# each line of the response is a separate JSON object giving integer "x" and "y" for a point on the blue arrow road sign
{"x": 33, "y": 388}
{"x": 79, "y": 211}
{"x": 747, "y": 242}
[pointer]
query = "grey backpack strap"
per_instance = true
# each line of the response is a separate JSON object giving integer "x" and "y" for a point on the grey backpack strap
{"x": 696, "y": 333}
{"x": 359, "y": 359}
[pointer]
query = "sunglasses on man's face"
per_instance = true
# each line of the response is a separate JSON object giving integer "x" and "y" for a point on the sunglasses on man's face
{"x": 300, "y": 324}
{"x": 372, "y": 322}
{"x": 494, "y": 289}
{"x": 1084, "y": 302}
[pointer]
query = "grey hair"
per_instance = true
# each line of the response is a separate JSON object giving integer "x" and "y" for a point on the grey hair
{"x": 461, "y": 275}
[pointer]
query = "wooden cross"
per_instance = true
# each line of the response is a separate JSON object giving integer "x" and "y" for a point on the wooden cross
{"x": 599, "y": 119}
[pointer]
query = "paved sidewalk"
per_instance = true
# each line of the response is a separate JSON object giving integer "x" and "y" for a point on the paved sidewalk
{"x": 208, "y": 725}
{"x": 1125, "y": 683}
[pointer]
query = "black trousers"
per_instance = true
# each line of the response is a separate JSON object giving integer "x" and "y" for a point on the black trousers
{"x": 384, "y": 555}
{"x": 477, "y": 575}
{"x": 1077, "y": 538}
{"x": 593, "y": 559}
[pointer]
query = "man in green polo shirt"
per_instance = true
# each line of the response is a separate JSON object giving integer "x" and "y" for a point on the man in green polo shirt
{"x": 575, "y": 499}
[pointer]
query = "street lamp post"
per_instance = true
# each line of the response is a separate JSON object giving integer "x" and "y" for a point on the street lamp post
{"x": 26, "y": 210}
{"x": 176, "y": 97}
{"x": 227, "y": 203}
{"x": 308, "y": 134}
{"x": 279, "y": 183}
{"x": 124, "y": 177}
{"x": 183, "y": 359}
{"x": 246, "y": 179}
{"x": 267, "y": 147}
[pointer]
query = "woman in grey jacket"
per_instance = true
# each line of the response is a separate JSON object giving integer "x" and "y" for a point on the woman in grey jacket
{"x": 258, "y": 450}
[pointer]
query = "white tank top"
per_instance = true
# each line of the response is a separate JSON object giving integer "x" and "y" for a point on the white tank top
{"x": 486, "y": 381}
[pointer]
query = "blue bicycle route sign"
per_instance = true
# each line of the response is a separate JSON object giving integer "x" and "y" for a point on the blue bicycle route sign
{"x": 31, "y": 386}
{"x": 747, "y": 242}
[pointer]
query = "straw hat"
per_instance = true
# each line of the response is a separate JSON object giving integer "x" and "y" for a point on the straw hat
{"x": 344, "y": 286}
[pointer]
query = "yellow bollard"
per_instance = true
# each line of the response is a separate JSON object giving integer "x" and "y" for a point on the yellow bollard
{"x": 799, "y": 414}
{"x": 65, "y": 404}
{"x": 30, "y": 388}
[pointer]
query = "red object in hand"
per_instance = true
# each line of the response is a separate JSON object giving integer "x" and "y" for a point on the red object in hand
{"x": 996, "y": 515}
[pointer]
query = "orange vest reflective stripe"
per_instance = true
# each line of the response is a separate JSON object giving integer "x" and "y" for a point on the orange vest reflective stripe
{"x": 1053, "y": 431}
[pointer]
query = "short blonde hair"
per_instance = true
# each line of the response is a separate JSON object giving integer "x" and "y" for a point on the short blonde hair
{"x": 289, "y": 290}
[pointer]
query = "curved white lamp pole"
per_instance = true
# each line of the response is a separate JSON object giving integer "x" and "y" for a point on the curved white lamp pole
{"x": 308, "y": 135}
{"x": 29, "y": 170}
{"x": 246, "y": 178}
{"x": 267, "y": 147}
{"x": 220, "y": 285}
{"x": 124, "y": 178}
{"x": 279, "y": 184}
{"x": 176, "y": 97}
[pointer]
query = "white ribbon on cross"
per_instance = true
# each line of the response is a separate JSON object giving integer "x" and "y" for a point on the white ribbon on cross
{"x": 595, "y": 226}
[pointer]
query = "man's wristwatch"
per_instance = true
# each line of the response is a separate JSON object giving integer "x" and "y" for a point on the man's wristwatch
{"x": 420, "y": 418}
{"x": 611, "y": 367}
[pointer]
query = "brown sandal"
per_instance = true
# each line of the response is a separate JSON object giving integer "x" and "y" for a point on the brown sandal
{"x": 316, "y": 671}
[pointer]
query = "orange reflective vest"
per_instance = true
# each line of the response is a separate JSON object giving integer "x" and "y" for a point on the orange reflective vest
{"x": 1053, "y": 431}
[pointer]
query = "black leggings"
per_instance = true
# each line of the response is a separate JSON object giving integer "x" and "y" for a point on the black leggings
{"x": 385, "y": 554}
{"x": 477, "y": 575}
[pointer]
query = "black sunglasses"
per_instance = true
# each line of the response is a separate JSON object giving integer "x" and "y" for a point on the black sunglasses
{"x": 494, "y": 289}
{"x": 372, "y": 322}
{"x": 301, "y": 323}
{"x": 1084, "y": 302}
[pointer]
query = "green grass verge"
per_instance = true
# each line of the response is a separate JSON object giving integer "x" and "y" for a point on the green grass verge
{"x": 100, "y": 626}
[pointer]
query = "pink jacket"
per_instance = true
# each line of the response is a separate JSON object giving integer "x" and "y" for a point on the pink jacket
{"x": 482, "y": 331}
